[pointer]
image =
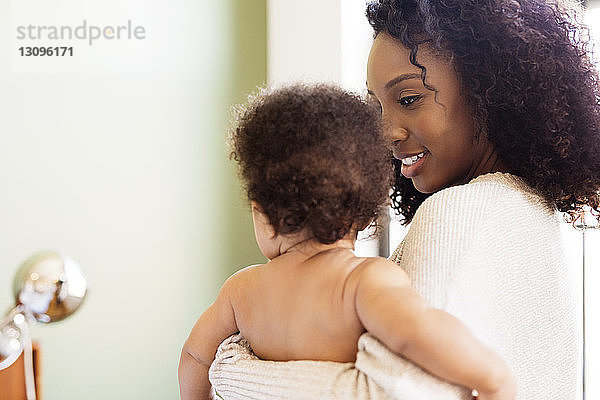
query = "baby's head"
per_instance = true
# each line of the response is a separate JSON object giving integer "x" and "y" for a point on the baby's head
{"x": 314, "y": 159}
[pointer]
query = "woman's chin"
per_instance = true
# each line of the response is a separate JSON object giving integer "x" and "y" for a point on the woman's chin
{"x": 424, "y": 186}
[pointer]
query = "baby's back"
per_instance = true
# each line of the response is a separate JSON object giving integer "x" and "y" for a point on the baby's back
{"x": 298, "y": 308}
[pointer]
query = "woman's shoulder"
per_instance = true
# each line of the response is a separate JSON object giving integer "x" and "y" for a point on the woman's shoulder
{"x": 489, "y": 193}
{"x": 492, "y": 202}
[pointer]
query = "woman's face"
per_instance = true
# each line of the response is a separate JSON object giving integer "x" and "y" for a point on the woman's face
{"x": 433, "y": 137}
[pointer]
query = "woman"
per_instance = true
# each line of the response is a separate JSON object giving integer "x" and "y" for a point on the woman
{"x": 491, "y": 110}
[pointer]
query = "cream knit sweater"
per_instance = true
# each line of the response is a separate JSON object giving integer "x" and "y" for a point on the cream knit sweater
{"x": 487, "y": 252}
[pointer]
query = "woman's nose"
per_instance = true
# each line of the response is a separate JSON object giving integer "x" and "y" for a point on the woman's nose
{"x": 394, "y": 131}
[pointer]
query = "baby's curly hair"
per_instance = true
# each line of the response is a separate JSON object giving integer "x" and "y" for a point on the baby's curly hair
{"x": 313, "y": 156}
{"x": 526, "y": 72}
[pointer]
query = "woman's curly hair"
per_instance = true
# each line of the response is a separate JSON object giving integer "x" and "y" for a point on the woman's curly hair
{"x": 313, "y": 156}
{"x": 526, "y": 71}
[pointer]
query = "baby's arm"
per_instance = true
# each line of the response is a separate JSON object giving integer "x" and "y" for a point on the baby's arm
{"x": 392, "y": 311}
{"x": 213, "y": 326}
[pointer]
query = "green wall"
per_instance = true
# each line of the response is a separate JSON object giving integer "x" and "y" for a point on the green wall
{"x": 249, "y": 61}
{"x": 128, "y": 174}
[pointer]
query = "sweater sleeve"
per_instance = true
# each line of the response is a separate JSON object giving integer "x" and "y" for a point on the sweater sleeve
{"x": 378, "y": 374}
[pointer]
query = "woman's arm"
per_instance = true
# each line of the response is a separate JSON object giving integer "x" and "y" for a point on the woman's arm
{"x": 213, "y": 326}
{"x": 378, "y": 374}
{"x": 391, "y": 310}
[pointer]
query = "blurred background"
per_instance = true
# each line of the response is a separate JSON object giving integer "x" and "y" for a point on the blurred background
{"x": 116, "y": 156}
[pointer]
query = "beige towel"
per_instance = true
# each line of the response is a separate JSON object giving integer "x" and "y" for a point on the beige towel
{"x": 377, "y": 375}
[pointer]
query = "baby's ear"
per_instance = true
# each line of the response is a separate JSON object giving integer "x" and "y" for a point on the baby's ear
{"x": 261, "y": 219}
{"x": 256, "y": 207}
{"x": 258, "y": 212}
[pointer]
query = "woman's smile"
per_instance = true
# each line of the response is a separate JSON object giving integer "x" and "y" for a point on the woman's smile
{"x": 412, "y": 163}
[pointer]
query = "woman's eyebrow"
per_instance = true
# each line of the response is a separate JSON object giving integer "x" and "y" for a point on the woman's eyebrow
{"x": 395, "y": 81}
{"x": 401, "y": 78}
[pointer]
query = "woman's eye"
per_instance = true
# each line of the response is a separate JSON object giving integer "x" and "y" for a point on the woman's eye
{"x": 409, "y": 100}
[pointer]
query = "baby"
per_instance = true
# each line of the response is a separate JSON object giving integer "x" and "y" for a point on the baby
{"x": 316, "y": 171}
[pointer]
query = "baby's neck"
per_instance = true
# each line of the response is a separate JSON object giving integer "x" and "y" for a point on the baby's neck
{"x": 308, "y": 247}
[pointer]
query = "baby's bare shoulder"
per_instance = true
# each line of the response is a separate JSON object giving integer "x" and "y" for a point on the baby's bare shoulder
{"x": 242, "y": 279}
{"x": 379, "y": 271}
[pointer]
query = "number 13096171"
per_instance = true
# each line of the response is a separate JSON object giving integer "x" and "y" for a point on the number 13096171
{"x": 46, "y": 51}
